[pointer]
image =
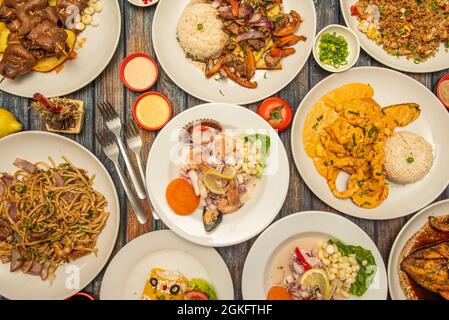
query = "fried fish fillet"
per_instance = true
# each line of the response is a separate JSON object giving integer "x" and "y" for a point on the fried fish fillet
{"x": 429, "y": 268}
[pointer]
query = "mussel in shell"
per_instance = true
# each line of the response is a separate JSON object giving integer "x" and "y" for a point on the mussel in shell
{"x": 211, "y": 219}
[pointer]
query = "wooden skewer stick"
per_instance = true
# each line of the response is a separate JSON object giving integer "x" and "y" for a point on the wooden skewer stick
{"x": 3, "y": 78}
{"x": 58, "y": 45}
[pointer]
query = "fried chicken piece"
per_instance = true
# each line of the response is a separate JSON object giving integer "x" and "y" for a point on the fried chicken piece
{"x": 49, "y": 37}
{"x": 17, "y": 60}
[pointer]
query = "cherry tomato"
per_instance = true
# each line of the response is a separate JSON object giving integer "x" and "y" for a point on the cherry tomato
{"x": 277, "y": 112}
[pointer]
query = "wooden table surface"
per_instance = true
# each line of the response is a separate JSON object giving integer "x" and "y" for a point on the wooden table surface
{"x": 136, "y": 37}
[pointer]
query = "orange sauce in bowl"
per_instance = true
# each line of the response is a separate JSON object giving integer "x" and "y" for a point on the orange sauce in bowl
{"x": 152, "y": 111}
{"x": 138, "y": 72}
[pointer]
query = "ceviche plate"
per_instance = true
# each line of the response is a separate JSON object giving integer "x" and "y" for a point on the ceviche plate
{"x": 257, "y": 272}
{"x": 390, "y": 88}
{"x": 126, "y": 274}
{"x": 37, "y": 146}
{"x": 192, "y": 80}
{"x": 437, "y": 63}
{"x": 99, "y": 46}
{"x": 164, "y": 163}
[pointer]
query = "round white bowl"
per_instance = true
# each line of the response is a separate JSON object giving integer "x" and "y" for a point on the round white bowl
{"x": 137, "y": 3}
{"x": 353, "y": 47}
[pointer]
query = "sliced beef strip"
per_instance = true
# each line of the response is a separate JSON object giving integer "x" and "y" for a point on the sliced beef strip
{"x": 272, "y": 61}
{"x": 256, "y": 44}
{"x": 17, "y": 60}
{"x": 48, "y": 37}
{"x": 237, "y": 63}
{"x": 233, "y": 28}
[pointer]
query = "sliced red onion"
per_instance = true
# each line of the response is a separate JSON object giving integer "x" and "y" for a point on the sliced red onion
{"x": 7, "y": 179}
{"x": 297, "y": 268}
{"x": 224, "y": 8}
{"x": 216, "y": 3}
{"x": 249, "y": 35}
{"x": 264, "y": 22}
{"x": 12, "y": 211}
{"x": 58, "y": 179}
{"x": 246, "y": 12}
{"x": 25, "y": 165}
{"x": 44, "y": 273}
{"x": 16, "y": 261}
{"x": 255, "y": 18}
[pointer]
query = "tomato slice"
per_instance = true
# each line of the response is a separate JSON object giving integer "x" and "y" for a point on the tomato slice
{"x": 277, "y": 113}
{"x": 196, "y": 295}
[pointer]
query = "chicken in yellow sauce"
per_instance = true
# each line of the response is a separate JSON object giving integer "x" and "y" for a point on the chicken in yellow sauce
{"x": 346, "y": 131}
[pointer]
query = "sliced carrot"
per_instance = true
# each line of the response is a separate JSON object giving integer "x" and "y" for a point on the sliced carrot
{"x": 291, "y": 27}
{"x": 250, "y": 63}
{"x": 234, "y": 7}
{"x": 181, "y": 197}
{"x": 234, "y": 77}
{"x": 279, "y": 293}
{"x": 278, "y": 52}
{"x": 289, "y": 40}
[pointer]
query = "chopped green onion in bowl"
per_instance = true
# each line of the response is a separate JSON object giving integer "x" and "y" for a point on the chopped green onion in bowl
{"x": 333, "y": 50}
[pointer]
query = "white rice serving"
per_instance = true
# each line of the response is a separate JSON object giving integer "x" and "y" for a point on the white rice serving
{"x": 408, "y": 157}
{"x": 200, "y": 32}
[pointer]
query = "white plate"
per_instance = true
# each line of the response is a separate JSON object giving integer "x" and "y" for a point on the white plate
{"x": 255, "y": 215}
{"x": 37, "y": 146}
{"x": 192, "y": 80}
{"x": 92, "y": 59}
{"x": 408, "y": 231}
{"x": 258, "y": 264}
{"x": 127, "y": 273}
{"x": 437, "y": 63}
{"x": 390, "y": 87}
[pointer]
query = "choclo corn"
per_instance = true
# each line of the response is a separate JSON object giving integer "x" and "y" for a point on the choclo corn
{"x": 342, "y": 270}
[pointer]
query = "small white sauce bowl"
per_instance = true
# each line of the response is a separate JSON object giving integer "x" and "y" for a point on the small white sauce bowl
{"x": 353, "y": 47}
{"x": 139, "y": 3}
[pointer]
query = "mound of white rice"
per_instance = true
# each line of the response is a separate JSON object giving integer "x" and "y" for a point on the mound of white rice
{"x": 408, "y": 157}
{"x": 200, "y": 32}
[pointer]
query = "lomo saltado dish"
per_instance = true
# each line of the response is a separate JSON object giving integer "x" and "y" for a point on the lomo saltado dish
{"x": 235, "y": 38}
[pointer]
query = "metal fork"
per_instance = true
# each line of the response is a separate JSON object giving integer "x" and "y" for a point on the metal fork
{"x": 113, "y": 123}
{"x": 112, "y": 152}
{"x": 135, "y": 144}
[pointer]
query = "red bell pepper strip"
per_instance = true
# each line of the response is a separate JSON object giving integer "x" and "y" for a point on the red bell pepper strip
{"x": 302, "y": 260}
{"x": 234, "y": 7}
{"x": 354, "y": 10}
{"x": 47, "y": 103}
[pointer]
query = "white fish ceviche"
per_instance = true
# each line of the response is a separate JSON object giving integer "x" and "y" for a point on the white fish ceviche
{"x": 222, "y": 168}
{"x": 318, "y": 268}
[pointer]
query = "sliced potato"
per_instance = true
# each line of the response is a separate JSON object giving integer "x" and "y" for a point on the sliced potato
{"x": 4, "y": 32}
{"x": 274, "y": 11}
{"x": 50, "y": 63}
{"x": 262, "y": 65}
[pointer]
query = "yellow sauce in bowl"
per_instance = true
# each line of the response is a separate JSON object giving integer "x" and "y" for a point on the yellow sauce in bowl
{"x": 152, "y": 111}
